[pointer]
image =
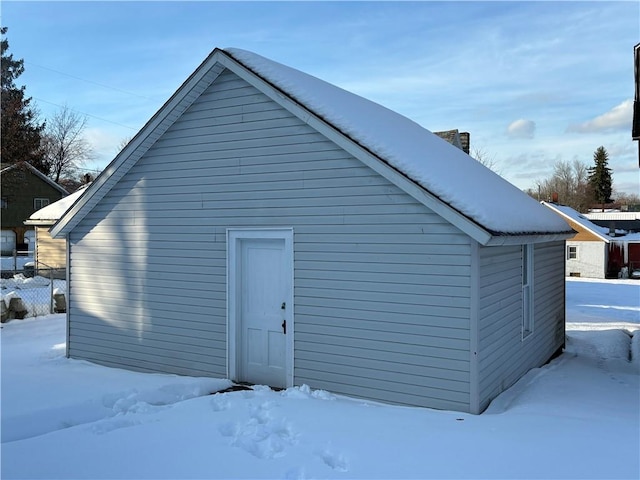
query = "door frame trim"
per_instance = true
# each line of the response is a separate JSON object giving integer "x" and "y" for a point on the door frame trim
{"x": 234, "y": 237}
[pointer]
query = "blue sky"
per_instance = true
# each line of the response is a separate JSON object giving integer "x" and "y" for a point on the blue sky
{"x": 533, "y": 82}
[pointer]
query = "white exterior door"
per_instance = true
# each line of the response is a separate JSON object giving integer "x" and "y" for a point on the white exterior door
{"x": 260, "y": 322}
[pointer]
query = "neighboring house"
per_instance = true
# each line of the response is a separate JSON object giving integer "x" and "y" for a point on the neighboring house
{"x": 24, "y": 190}
{"x": 456, "y": 138}
{"x": 596, "y": 251}
{"x": 271, "y": 228}
{"x": 51, "y": 253}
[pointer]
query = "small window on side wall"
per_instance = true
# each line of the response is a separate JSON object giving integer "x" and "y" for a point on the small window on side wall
{"x": 572, "y": 252}
{"x": 527, "y": 291}
{"x": 39, "y": 203}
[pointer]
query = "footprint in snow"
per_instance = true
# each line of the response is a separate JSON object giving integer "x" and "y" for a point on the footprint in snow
{"x": 220, "y": 403}
{"x": 335, "y": 460}
{"x": 262, "y": 435}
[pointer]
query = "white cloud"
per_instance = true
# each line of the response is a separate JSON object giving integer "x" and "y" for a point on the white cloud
{"x": 618, "y": 118}
{"x": 521, "y": 129}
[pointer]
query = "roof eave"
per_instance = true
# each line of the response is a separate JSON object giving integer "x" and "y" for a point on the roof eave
{"x": 39, "y": 222}
{"x": 503, "y": 239}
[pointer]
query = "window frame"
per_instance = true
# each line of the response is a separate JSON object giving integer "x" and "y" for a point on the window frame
{"x": 41, "y": 200}
{"x": 572, "y": 252}
{"x": 527, "y": 326}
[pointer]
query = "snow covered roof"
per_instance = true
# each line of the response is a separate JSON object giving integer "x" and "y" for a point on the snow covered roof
{"x": 442, "y": 169}
{"x": 51, "y": 213}
{"x": 580, "y": 219}
{"x": 583, "y": 221}
{"x": 443, "y": 177}
{"x": 613, "y": 215}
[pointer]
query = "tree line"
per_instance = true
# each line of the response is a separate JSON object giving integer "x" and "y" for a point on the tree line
{"x": 580, "y": 186}
{"x": 55, "y": 146}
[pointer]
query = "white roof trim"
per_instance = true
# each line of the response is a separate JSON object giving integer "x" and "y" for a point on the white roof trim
{"x": 40, "y": 222}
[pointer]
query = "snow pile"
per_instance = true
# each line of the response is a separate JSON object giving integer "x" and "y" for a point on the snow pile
{"x": 576, "y": 417}
{"x": 21, "y": 282}
{"x": 35, "y": 293}
{"x": 425, "y": 158}
{"x": 606, "y": 345}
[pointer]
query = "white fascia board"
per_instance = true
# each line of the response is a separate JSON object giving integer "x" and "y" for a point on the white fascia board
{"x": 39, "y": 222}
{"x": 500, "y": 240}
{"x": 141, "y": 142}
{"x": 454, "y": 217}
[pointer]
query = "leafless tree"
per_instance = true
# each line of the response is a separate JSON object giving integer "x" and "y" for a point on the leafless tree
{"x": 123, "y": 143}
{"x": 570, "y": 182}
{"x": 65, "y": 147}
{"x": 486, "y": 159}
{"x": 626, "y": 200}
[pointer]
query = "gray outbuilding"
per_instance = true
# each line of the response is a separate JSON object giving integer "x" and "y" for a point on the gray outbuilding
{"x": 272, "y": 228}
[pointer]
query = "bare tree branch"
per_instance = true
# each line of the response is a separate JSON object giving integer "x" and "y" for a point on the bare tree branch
{"x": 482, "y": 156}
{"x": 569, "y": 181}
{"x": 65, "y": 147}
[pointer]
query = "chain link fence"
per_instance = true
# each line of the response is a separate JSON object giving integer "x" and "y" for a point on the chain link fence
{"x": 30, "y": 288}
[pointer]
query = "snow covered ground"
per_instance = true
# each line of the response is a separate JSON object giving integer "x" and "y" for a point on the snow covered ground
{"x": 577, "y": 417}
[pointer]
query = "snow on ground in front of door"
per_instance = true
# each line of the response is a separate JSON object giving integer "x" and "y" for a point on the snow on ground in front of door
{"x": 574, "y": 418}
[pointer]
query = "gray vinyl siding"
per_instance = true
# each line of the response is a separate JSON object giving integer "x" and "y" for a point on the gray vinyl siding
{"x": 381, "y": 283}
{"x": 504, "y": 356}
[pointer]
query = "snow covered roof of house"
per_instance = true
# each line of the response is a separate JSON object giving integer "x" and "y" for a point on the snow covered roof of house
{"x": 443, "y": 177}
{"x": 575, "y": 216}
{"x": 583, "y": 221}
{"x": 613, "y": 215}
{"x": 51, "y": 213}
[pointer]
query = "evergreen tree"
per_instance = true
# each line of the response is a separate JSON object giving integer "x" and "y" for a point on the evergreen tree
{"x": 600, "y": 177}
{"x": 20, "y": 131}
